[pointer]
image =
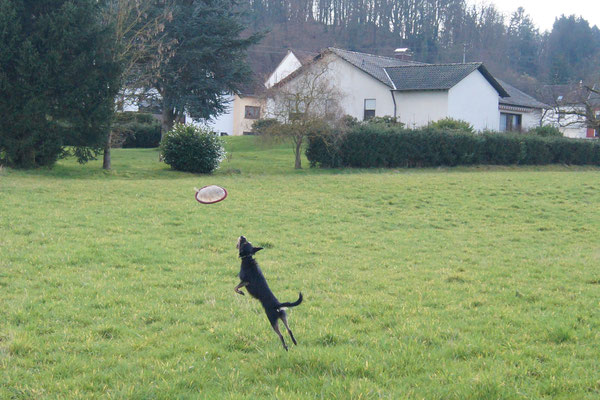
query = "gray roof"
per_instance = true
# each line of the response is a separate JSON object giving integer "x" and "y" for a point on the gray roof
{"x": 437, "y": 76}
{"x": 518, "y": 98}
{"x": 372, "y": 64}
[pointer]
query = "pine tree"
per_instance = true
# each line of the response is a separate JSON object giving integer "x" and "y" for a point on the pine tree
{"x": 208, "y": 59}
{"x": 57, "y": 80}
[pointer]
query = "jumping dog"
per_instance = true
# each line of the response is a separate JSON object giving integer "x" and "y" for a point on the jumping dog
{"x": 252, "y": 278}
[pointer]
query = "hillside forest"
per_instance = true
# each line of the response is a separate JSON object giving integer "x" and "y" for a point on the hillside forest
{"x": 435, "y": 31}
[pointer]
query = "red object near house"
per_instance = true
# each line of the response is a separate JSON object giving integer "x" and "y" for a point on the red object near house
{"x": 592, "y": 133}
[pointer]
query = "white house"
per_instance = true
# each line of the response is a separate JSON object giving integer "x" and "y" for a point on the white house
{"x": 574, "y": 109}
{"x": 414, "y": 93}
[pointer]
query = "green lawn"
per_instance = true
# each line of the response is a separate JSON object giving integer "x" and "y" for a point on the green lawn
{"x": 468, "y": 283}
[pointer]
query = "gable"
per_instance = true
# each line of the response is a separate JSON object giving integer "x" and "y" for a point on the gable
{"x": 287, "y": 66}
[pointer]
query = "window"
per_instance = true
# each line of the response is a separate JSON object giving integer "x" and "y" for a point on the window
{"x": 252, "y": 112}
{"x": 510, "y": 122}
{"x": 369, "y": 109}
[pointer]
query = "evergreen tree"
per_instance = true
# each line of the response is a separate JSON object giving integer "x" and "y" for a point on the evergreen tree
{"x": 523, "y": 43}
{"x": 572, "y": 50}
{"x": 57, "y": 80}
{"x": 208, "y": 59}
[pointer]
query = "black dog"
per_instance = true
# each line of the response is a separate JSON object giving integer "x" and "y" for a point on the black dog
{"x": 253, "y": 279}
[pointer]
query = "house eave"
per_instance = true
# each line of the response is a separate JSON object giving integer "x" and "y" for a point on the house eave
{"x": 507, "y": 107}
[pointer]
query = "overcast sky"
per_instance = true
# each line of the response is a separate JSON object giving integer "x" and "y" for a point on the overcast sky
{"x": 543, "y": 12}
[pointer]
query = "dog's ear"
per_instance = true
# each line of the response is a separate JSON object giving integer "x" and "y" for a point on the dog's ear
{"x": 256, "y": 249}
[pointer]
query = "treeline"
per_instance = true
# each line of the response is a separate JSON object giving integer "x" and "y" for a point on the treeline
{"x": 436, "y": 31}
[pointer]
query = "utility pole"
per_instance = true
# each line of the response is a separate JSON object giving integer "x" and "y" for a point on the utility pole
{"x": 464, "y": 52}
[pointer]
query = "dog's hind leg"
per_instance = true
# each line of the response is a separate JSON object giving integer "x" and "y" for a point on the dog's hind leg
{"x": 284, "y": 319}
{"x": 275, "y": 326}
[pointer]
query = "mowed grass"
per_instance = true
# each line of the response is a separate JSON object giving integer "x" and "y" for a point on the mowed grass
{"x": 471, "y": 283}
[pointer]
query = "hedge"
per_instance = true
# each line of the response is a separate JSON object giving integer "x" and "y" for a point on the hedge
{"x": 369, "y": 146}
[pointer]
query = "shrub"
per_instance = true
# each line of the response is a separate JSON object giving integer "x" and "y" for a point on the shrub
{"x": 545, "y": 131}
{"x": 385, "y": 121}
{"x": 133, "y": 129}
{"x": 192, "y": 149}
{"x": 372, "y": 145}
{"x": 347, "y": 122}
{"x": 450, "y": 124}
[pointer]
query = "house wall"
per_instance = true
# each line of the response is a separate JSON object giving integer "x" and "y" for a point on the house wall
{"x": 289, "y": 64}
{"x": 417, "y": 109}
{"x": 224, "y": 122}
{"x": 476, "y": 101}
{"x": 573, "y": 132}
{"x": 353, "y": 86}
{"x": 242, "y": 124}
{"x": 531, "y": 119}
{"x": 356, "y": 86}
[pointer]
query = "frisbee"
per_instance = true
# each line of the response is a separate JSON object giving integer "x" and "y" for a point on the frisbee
{"x": 210, "y": 194}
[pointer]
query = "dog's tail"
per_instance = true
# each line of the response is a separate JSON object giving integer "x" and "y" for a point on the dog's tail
{"x": 294, "y": 304}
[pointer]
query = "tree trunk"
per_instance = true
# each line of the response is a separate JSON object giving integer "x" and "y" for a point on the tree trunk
{"x": 106, "y": 160}
{"x": 298, "y": 153}
{"x": 168, "y": 118}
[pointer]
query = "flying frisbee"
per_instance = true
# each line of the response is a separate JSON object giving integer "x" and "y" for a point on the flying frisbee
{"x": 210, "y": 194}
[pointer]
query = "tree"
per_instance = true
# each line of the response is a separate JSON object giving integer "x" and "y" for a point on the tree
{"x": 523, "y": 43}
{"x": 574, "y": 106}
{"x": 141, "y": 47}
{"x": 208, "y": 59}
{"x": 572, "y": 50}
{"x": 58, "y": 80}
{"x": 304, "y": 105}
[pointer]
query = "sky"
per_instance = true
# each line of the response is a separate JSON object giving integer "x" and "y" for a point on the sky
{"x": 543, "y": 12}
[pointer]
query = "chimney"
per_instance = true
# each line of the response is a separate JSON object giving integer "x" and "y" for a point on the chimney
{"x": 403, "y": 53}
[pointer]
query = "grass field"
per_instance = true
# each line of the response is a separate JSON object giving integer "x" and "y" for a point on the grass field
{"x": 470, "y": 283}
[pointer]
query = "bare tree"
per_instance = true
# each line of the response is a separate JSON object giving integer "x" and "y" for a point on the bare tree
{"x": 305, "y": 102}
{"x": 574, "y": 106}
{"x": 138, "y": 36}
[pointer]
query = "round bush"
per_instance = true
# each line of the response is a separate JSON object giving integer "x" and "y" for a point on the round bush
{"x": 545, "y": 131}
{"x": 192, "y": 149}
{"x": 453, "y": 125}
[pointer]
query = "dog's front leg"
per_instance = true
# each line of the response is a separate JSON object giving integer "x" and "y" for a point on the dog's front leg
{"x": 241, "y": 285}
